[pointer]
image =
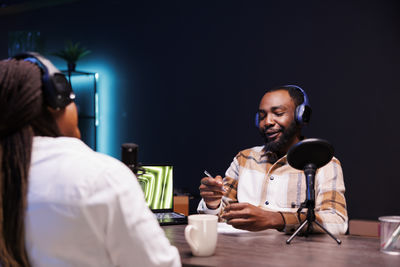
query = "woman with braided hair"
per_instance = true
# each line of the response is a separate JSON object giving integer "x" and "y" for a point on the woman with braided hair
{"x": 61, "y": 203}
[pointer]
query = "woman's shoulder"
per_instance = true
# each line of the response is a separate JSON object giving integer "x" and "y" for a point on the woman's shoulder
{"x": 70, "y": 162}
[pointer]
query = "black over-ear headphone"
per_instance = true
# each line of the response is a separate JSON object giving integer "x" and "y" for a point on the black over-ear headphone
{"x": 303, "y": 111}
{"x": 57, "y": 91}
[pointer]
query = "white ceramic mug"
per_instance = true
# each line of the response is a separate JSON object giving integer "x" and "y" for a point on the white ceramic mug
{"x": 201, "y": 234}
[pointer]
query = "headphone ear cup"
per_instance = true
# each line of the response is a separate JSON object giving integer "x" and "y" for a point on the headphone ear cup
{"x": 303, "y": 114}
{"x": 58, "y": 91}
{"x": 299, "y": 114}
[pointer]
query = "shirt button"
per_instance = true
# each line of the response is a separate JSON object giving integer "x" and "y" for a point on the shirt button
{"x": 271, "y": 178}
{"x": 266, "y": 202}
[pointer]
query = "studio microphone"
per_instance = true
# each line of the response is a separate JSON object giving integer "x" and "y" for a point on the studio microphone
{"x": 309, "y": 155}
{"x": 129, "y": 156}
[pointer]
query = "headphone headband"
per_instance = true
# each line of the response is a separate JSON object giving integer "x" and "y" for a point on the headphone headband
{"x": 305, "y": 97}
{"x": 56, "y": 89}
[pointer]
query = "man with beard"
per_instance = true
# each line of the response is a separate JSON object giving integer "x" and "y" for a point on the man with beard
{"x": 261, "y": 190}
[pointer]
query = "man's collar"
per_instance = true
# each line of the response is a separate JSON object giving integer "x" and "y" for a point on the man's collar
{"x": 273, "y": 158}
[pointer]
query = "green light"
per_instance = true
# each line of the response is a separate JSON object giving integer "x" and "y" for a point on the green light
{"x": 156, "y": 183}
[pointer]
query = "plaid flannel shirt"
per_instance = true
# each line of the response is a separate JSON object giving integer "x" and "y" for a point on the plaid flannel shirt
{"x": 279, "y": 187}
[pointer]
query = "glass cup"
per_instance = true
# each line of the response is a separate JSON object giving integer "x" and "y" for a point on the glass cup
{"x": 389, "y": 232}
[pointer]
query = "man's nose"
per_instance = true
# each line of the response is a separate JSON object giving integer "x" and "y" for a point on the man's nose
{"x": 268, "y": 121}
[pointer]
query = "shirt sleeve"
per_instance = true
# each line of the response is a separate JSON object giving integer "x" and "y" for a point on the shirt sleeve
{"x": 202, "y": 208}
{"x": 131, "y": 234}
{"x": 330, "y": 202}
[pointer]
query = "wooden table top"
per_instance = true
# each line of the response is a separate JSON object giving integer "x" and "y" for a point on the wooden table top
{"x": 269, "y": 248}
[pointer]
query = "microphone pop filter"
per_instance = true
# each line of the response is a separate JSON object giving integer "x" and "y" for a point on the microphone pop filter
{"x": 310, "y": 151}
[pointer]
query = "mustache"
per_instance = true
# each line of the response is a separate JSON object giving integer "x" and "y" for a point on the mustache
{"x": 270, "y": 130}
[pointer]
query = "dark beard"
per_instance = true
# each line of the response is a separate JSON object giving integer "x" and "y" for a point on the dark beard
{"x": 274, "y": 148}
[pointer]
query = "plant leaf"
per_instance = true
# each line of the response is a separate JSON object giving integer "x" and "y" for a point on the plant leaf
{"x": 72, "y": 52}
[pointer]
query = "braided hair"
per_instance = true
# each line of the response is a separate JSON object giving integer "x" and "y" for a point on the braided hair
{"x": 23, "y": 115}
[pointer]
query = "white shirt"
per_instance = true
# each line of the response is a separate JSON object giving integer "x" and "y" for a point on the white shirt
{"x": 87, "y": 209}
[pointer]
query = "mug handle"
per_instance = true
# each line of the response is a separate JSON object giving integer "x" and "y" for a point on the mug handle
{"x": 188, "y": 230}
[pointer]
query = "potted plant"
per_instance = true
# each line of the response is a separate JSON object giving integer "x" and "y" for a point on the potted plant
{"x": 71, "y": 53}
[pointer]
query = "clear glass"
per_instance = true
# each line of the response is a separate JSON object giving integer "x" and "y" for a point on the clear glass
{"x": 389, "y": 232}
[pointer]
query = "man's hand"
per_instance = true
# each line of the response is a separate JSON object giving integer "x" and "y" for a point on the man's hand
{"x": 211, "y": 190}
{"x": 249, "y": 217}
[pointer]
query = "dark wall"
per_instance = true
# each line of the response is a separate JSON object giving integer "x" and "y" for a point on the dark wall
{"x": 189, "y": 76}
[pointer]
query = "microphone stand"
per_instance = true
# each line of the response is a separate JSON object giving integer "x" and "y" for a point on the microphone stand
{"x": 309, "y": 203}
